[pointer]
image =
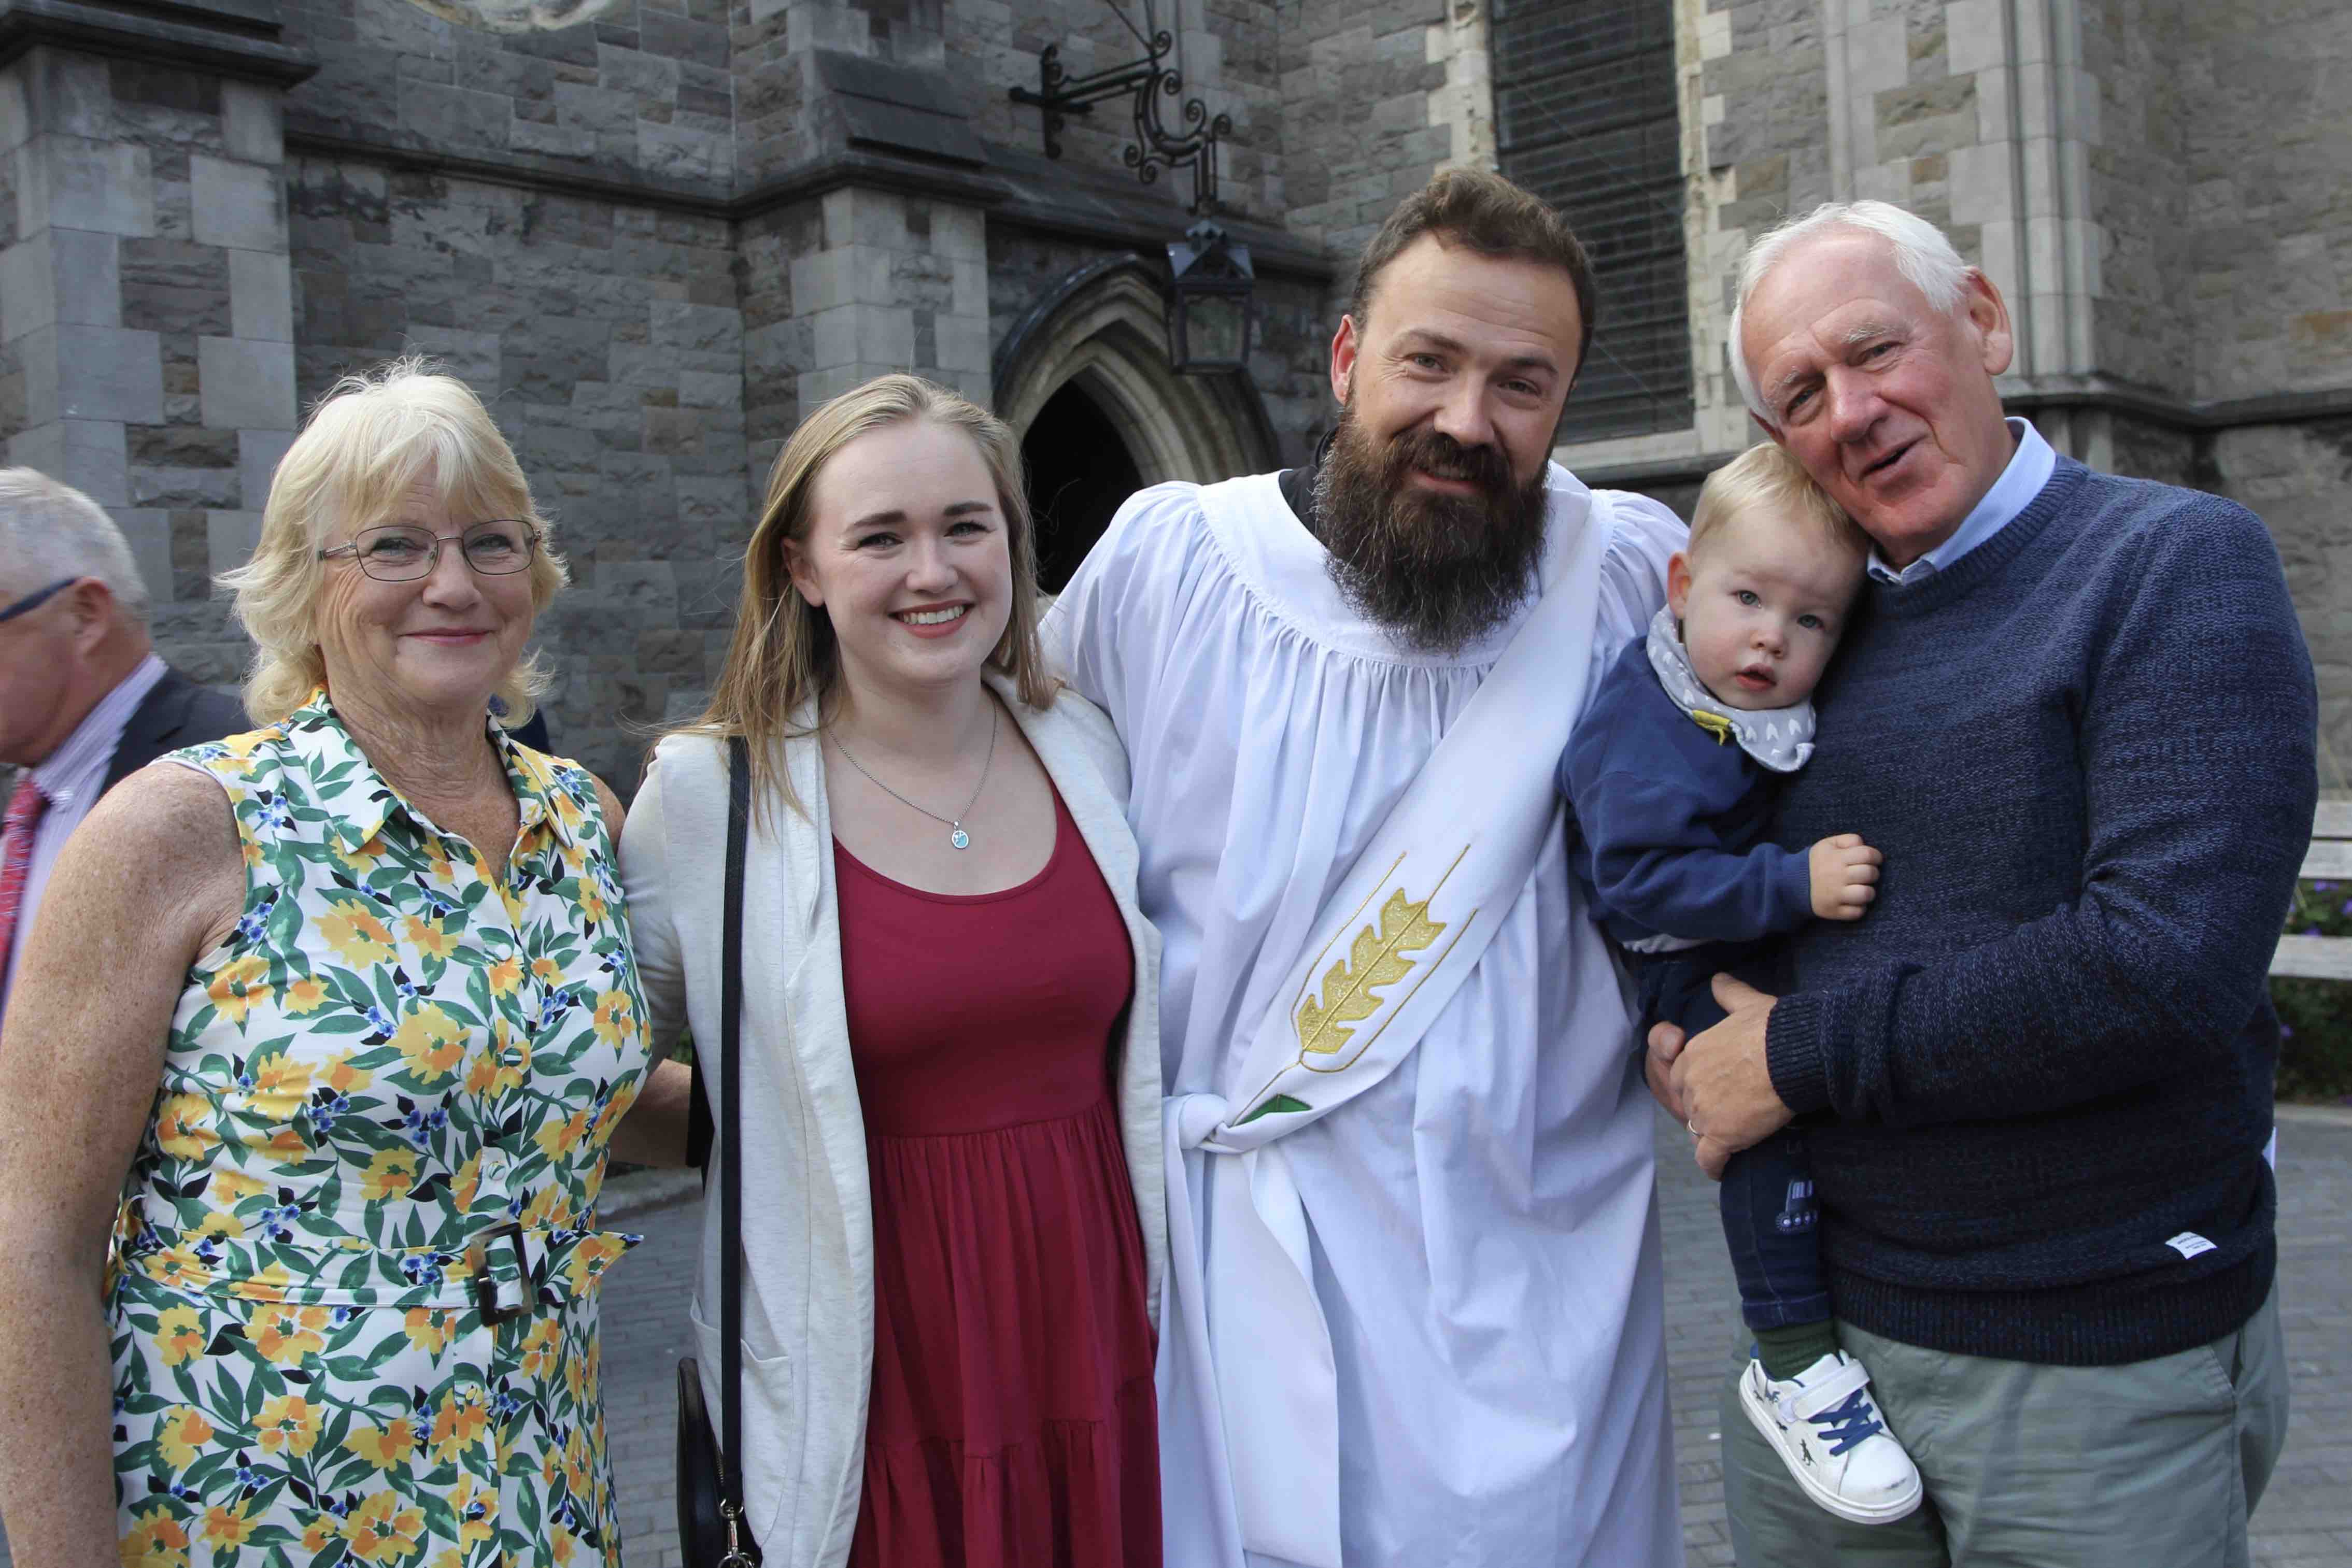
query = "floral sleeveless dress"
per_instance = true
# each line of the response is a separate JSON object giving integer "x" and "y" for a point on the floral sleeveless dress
{"x": 353, "y": 1303}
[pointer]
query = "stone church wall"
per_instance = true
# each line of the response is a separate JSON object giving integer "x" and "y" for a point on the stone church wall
{"x": 148, "y": 350}
{"x": 656, "y": 240}
{"x": 607, "y": 341}
{"x": 645, "y": 96}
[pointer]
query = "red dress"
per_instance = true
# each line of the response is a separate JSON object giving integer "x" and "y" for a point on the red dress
{"x": 1012, "y": 1422}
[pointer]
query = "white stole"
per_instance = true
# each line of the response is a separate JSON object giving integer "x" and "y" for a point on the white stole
{"x": 1243, "y": 1346}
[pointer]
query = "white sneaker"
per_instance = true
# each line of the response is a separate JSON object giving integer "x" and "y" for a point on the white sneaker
{"x": 1828, "y": 1430}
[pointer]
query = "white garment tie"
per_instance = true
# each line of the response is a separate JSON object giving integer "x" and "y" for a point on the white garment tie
{"x": 1259, "y": 1294}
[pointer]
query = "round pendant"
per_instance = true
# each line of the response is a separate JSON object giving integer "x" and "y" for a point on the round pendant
{"x": 960, "y": 839}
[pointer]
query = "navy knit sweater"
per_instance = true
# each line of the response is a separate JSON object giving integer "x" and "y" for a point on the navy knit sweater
{"x": 2087, "y": 751}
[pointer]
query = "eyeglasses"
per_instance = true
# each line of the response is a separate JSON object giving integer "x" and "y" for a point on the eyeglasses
{"x": 37, "y": 598}
{"x": 399, "y": 553}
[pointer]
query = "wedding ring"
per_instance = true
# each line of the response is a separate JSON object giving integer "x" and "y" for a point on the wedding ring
{"x": 1693, "y": 1124}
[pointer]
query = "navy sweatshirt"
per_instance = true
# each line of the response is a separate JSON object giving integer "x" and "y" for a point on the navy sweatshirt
{"x": 2087, "y": 749}
{"x": 1671, "y": 821}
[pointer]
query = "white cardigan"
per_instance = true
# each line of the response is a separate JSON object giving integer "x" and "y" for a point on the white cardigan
{"x": 808, "y": 1279}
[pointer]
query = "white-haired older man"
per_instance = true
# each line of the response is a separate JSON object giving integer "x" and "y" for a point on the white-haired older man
{"x": 2076, "y": 713}
{"x": 83, "y": 698}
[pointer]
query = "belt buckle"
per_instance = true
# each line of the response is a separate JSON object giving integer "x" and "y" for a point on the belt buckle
{"x": 486, "y": 1285}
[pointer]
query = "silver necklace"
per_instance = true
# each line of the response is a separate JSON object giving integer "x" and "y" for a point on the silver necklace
{"x": 956, "y": 835}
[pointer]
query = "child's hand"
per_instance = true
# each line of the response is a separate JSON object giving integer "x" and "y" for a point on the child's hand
{"x": 1845, "y": 874}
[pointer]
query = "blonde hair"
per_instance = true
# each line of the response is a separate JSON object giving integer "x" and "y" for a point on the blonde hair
{"x": 783, "y": 656}
{"x": 1766, "y": 478}
{"x": 372, "y": 437}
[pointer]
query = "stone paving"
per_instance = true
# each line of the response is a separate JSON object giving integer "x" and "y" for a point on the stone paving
{"x": 2304, "y": 1520}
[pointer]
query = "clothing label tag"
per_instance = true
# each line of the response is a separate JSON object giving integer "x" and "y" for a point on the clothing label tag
{"x": 2188, "y": 1244}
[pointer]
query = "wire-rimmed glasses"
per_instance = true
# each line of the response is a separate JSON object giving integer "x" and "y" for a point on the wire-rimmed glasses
{"x": 402, "y": 552}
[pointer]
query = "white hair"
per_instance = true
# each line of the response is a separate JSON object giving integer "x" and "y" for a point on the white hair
{"x": 50, "y": 530}
{"x": 1921, "y": 253}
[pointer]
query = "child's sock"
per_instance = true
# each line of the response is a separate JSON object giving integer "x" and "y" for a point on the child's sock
{"x": 1786, "y": 1352}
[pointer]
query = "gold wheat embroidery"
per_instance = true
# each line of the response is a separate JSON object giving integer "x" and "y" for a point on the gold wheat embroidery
{"x": 1380, "y": 955}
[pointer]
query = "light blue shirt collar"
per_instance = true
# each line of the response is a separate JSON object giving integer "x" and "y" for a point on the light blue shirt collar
{"x": 2030, "y": 467}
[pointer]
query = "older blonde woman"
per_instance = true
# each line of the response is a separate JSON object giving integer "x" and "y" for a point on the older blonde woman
{"x": 950, "y": 1073}
{"x": 350, "y": 1001}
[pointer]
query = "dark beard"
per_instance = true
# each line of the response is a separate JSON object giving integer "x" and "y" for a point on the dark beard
{"x": 1435, "y": 571}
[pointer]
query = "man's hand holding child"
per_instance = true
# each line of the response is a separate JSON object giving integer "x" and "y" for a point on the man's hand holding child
{"x": 1845, "y": 876}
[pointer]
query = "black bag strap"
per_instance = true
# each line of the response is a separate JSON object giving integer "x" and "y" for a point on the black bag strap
{"x": 731, "y": 1164}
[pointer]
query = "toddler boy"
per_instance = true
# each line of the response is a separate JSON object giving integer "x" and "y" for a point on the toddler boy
{"x": 1670, "y": 775}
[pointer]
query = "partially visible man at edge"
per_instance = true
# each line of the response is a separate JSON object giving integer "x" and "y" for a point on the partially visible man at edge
{"x": 84, "y": 701}
{"x": 2078, "y": 713}
{"x": 1453, "y": 1351}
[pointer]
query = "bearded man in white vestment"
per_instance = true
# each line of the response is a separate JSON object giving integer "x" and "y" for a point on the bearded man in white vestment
{"x": 1282, "y": 655}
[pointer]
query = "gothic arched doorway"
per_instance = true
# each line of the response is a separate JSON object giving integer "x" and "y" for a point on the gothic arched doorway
{"x": 1079, "y": 472}
{"x": 1084, "y": 377}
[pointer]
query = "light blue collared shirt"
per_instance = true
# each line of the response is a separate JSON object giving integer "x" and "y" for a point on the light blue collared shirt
{"x": 2030, "y": 467}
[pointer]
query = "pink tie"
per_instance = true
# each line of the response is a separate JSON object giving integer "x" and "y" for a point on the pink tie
{"x": 24, "y": 808}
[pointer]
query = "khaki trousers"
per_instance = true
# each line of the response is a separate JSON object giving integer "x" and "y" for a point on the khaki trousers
{"x": 2153, "y": 1464}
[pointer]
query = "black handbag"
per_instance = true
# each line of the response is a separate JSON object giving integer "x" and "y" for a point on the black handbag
{"x": 711, "y": 1529}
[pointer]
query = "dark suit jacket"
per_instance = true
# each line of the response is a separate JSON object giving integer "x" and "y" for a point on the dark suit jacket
{"x": 177, "y": 713}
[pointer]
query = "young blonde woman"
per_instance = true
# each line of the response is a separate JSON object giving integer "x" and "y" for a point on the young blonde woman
{"x": 949, "y": 1093}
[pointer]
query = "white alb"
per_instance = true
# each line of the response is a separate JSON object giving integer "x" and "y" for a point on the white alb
{"x": 1474, "y": 1230}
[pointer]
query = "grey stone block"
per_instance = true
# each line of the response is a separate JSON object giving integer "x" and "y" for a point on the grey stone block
{"x": 236, "y": 204}
{"x": 595, "y": 109}
{"x": 680, "y": 38}
{"x": 454, "y": 116}
{"x": 245, "y": 384}
{"x": 554, "y": 355}
{"x": 635, "y": 71}
{"x": 88, "y": 277}
{"x": 154, "y": 99}
{"x": 108, "y": 374}
{"x": 230, "y": 537}
{"x": 639, "y": 590}
{"x": 149, "y": 534}
{"x": 680, "y": 153}
{"x": 183, "y": 488}
{"x": 174, "y": 286}
{"x": 261, "y": 296}
{"x": 38, "y": 446}
{"x": 253, "y": 122}
{"x": 405, "y": 28}
{"x": 73, "y": 94}
{"x": 485, "y": 66}
{"x": 16, "y": 111}
{"x": 257, "y": 456}
{"x": 107, "y": 187}
{"x": 705, "y": 328}
{"x": 472, "y": 357}
{"x": 28, "y": 293}
{"x": 702, "y": 389}
{"x": 554, "y": 140}
{"x": 355, "y": 87}
{"x": 94, "y": 460}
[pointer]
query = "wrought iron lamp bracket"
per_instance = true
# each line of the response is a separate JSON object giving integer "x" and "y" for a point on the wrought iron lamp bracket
{"x": 1146, "y": 82}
